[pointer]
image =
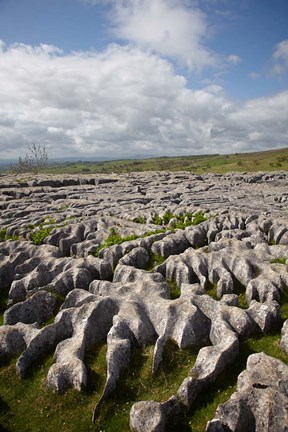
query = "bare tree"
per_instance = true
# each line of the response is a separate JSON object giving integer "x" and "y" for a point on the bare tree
{"x": 35, "y": 160}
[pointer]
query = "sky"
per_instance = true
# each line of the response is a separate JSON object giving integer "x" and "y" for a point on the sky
{"x": 139, "y": 78}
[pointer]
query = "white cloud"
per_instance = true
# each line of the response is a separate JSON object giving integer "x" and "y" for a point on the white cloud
{"x": 169, "y": 28}
{"x": 123, "y": 102}
{"x": 254, "y": 75}
{"x": 2, "y": 45}
{"x": 175, "y": 29}
{"x": 260, "y": 123}
{"x": 280, "y": 57}
{"x": 234, "y": 59}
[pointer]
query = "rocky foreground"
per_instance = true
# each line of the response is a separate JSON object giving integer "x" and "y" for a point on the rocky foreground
{"x": 222, "y": 239}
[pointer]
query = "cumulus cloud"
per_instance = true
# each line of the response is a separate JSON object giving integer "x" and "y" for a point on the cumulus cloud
{"x": 280, "y": 57}
{"x": 234, "y": 59}
{"x": 168, "y": 27}
{"x": 123, "y": 102}
{"x": 175, "y": 29}
{"x": 259, "y": 123}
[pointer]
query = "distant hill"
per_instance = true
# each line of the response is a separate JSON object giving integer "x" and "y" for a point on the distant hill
{"x": 271, "y": 160}
{"x": 63, "y": 160}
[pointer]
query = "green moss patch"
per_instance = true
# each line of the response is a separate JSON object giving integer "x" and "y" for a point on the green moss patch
{"x": 175, "y": 291}
{"x": 278, "y": 261}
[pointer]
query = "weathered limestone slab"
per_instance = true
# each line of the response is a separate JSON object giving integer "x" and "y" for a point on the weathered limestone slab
{"x": 261, "y": 400}
{"x": 229, "y": 274}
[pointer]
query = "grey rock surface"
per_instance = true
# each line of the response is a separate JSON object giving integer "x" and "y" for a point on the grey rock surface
{"x": 261, "y": 400}
{"x": 37, "y": 308}
{"x": 284, "y": 338}
{"x": 152, "y": 416}
{"x": 121, "y": 262}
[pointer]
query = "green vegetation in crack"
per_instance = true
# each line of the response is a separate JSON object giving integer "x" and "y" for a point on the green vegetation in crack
{"x": 240, "y": 290}
{"x": 139, "y": 220}
{"x": 115, "y": 238}
{"x": 40, "y": 235}
{"x": 4, "y": 236}
{"x": 3, "y": 233}
{"x": 189, "y": 219}
{"x": 154, "y": 261}
{"x": 164, "y": 220}
{"x": 279, "y": 261}
{"x": 36, "y": 233}
{"x": 3, "y": 303}
{"x": 179, "y": 221}
{"x": 175, "y": 291}
{"x": 203, "y": 244}
{"x": 59, "y": 301}
{"x": 211, "y": 290}
{"x": 37, "y": 237}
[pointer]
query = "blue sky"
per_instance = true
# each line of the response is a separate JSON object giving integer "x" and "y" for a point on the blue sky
{"x": 135, "y": 77}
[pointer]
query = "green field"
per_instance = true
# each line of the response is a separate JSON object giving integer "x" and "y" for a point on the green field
{"x": 272, "y": 160}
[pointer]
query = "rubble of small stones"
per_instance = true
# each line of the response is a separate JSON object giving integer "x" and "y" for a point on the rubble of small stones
{"x": 71, "y": 290}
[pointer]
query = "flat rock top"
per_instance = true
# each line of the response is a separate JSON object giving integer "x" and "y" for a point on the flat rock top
{"x": 251, "y": 192}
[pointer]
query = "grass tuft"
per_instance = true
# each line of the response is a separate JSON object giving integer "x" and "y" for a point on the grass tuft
{"x": 278, "y": 261}
{"x": 175, "y": 291}
{"x": 211, "y": 289}
{"x": 154, "y": 261}
{"x": 39, "y": 236}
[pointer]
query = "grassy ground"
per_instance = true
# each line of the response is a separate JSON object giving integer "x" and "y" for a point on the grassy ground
{"x": 273, "y": 160}
{"x": 28, "y": 406}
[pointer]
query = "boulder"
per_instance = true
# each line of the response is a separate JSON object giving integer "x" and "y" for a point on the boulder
{"x": 37, "y": 308}
{"x": 260, "y": 402}
{"x": 152, "y": 416}
{"x": 284, "y": 337}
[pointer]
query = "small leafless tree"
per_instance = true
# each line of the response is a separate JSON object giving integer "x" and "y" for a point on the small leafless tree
{"x": 35, "y": 160}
